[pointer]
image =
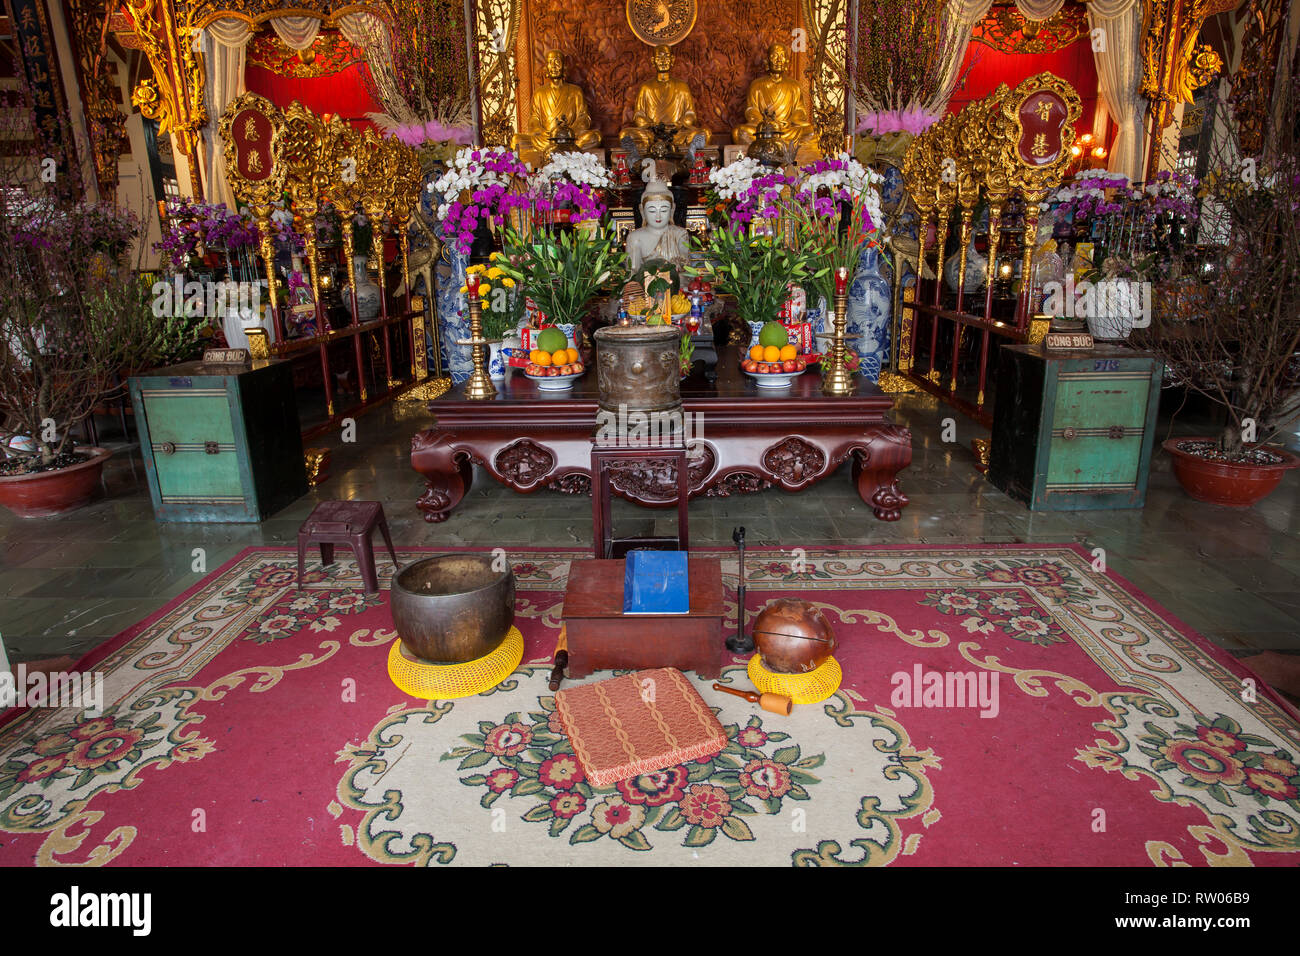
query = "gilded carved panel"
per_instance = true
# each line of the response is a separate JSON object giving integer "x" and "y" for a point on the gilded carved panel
{"x": 723, "y": 52}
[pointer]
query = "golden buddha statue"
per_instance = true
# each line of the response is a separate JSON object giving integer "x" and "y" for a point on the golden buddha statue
{"x": 782, "y": 100}
{"x": 558, "y": 107}
{"x": 664, "y": 101}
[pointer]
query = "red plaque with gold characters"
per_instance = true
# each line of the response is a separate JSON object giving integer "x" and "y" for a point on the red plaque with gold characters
{"x": 1042, "y": 115}
{"x": 252, "y": 130}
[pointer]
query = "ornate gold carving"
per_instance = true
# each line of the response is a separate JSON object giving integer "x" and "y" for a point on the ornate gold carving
{"x": 892, "y": 383}
{"x": 257, "y": 343}
{"x": 981, "y": 447}
{"x": 105, "y": 120}
{"x": 656, "y": 22}
{"x": 1038, "y": 330}
{"x": 1174, "y": 64}
{"x": 330, "y": 54}
{"x": 827, "y": 75}
{"x": 317, "y": 462}
{"x": 1007, "y": 30}
{"x": 496, "y": 33}
{"x": 427, "y": 391}
{"x": 1252, "y": 87}
{"x": 175, "y": 96}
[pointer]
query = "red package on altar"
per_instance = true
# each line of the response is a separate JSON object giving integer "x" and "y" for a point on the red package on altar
{"x": 530, "y": 334}
{"x": 797, "y": 303}
{"x": 801, "y": 335}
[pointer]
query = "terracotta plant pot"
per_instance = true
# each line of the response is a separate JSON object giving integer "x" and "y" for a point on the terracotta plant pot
{"x": 1220, "y": 483}
{"x": 49, "y": 493}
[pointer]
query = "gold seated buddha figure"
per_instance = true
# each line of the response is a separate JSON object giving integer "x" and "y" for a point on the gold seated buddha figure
{"x": 664, "y": 102}
{"x": 558, "y": 107}
{"x": 781, "y": 99}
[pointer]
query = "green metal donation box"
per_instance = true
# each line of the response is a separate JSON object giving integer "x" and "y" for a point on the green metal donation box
{"x": 1073, "y": 430}
{"x": 220, "y": 442}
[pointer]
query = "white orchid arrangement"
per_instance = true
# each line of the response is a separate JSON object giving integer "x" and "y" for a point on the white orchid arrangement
{"x": 581, "y": 169}
{"x": 844, "y": 179}
{"x": 731, "y": 181}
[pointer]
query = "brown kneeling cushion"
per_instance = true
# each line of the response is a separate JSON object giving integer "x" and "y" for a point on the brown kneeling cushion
{"x": 638, "y": 723}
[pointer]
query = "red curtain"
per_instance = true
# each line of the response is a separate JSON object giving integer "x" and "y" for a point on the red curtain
{"x": 344, "y": 93}
{"x": 989, "y": 67}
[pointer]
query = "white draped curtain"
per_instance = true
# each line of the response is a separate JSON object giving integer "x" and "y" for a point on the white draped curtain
{"x": 298, "y": 33}
{"x": 1117, "y": 56}
{"x": 1119, "y": 72}
{"x": 222, "y": 44}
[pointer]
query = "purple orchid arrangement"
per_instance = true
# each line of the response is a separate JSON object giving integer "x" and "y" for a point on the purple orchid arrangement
{"x": 196, "y": 223}
{"x": 1170, "y": 193}
{"x": 487, "y": 176}
{"x": 1086, "y": 196}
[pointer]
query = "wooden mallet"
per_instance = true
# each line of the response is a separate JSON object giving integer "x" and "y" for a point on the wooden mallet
{"x": 773, "y": 703}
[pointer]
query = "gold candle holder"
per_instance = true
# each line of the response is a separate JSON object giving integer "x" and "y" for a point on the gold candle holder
{"x": 479, "y": 386}
{"x": 836, "y": 378}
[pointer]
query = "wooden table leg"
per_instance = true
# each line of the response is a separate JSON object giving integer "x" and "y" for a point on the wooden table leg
{"x": 446, "y": 470}
{"x": 875, "y": 471}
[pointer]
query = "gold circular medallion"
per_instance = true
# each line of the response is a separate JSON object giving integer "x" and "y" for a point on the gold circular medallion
{"x": 661, "y": 21}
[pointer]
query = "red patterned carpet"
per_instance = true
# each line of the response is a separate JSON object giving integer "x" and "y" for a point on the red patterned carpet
{"x": 248, "y": 723}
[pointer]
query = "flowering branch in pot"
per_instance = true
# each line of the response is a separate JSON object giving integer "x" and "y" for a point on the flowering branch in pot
{"x": 1233, "y": 333}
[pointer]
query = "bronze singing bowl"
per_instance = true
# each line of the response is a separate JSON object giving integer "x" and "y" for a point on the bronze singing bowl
{"x": 452, "y": 608}
{"x": 793, "y": 637}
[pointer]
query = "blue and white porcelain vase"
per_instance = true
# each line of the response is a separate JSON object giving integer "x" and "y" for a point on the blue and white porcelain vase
{"x": 496, "y": 362}
{"x": 453, "y": 315}
{"x": 869, "y": 309}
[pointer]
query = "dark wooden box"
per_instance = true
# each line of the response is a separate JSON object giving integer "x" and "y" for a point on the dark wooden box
{"x": 220, "y": 443}
{"x": 1073, "y": 430}
{"x": 601, "y": 637}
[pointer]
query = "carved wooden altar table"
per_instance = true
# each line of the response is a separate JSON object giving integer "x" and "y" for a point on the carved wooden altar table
{"x": 750, "y": 439}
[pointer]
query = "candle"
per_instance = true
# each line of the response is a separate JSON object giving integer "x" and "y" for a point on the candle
{"x": 471, "y": 282}
{"x": 841, "y": 280}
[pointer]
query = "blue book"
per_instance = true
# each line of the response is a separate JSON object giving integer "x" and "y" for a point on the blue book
{"x": 654, "y": 582}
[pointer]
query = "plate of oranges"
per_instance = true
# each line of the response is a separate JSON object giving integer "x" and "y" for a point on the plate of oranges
{"x": 773, "y": 366}
{"x": 555, "y": 369}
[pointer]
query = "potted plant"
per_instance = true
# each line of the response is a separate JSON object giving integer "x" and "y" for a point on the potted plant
{"x": 1235, "y": 340}
{"x": 74, "y": 325}
{"x": 561, "y": 270}
{"x": 756, "y": 270}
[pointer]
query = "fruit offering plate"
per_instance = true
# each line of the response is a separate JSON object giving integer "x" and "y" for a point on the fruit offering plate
{"x": 554, "y": 383}
{"x": 773, "y": 379}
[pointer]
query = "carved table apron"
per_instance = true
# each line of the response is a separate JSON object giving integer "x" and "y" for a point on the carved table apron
{"x": 749, "y": 439}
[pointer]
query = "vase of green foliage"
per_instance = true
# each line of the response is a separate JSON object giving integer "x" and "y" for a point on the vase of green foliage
{"x": 561, "y": 271}
{"x": 757, "y": 271}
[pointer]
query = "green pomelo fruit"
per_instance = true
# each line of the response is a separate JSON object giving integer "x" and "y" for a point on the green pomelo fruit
{"x": 773, "y": 333}
{"x": 551, "y": 340}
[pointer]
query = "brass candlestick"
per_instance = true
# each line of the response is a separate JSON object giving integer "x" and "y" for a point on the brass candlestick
{"x": 479, "y": 385}
{"x": 836, "y": 378}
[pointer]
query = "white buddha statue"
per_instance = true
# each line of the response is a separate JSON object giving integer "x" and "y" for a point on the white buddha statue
{"x": 658, "y": 237}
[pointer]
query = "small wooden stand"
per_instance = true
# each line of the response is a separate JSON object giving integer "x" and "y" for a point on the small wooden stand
{"x": 601, "y": 637}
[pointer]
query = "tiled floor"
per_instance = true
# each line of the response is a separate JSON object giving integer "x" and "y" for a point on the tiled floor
{"x": 68, "y": 584}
